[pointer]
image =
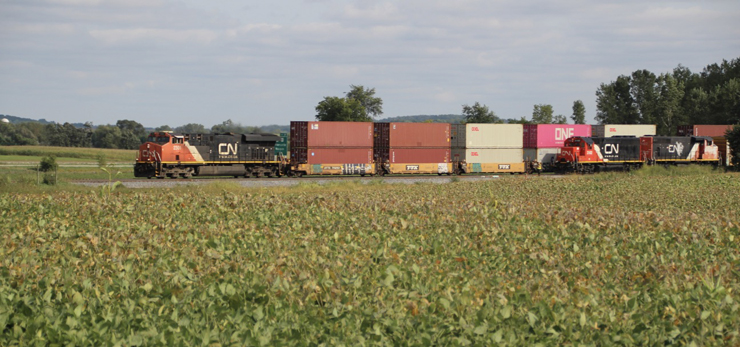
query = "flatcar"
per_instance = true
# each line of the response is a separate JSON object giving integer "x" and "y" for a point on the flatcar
{"x": 592, "y": 154}
{"x": 184, "y": 155}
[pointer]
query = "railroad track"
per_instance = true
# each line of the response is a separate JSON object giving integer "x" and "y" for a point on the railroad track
{"x": 287, "y": 181}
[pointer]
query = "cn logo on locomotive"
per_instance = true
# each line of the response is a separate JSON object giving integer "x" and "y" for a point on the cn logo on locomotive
{"x": 611, "y": 148}
{"x": 226, "y": 148}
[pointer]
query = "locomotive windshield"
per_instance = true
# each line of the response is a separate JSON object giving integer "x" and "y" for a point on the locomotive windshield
{"x": 159, "y": 139}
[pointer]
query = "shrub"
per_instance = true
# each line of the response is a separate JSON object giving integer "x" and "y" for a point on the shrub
{"x": 48, "y": 163}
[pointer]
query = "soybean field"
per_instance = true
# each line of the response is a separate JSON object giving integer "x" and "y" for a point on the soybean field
{"x": 613, "y": 259}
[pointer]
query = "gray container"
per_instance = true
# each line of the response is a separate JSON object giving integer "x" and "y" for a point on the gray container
{"x": 457, "y": 135}
{"x": 494, "y": 135}
{"x": 493, "y": 155}
{"x": 609, "y": 130}
{"x": 546, "y": 156}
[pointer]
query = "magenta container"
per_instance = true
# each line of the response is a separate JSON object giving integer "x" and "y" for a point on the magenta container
{"x": 552, "y": 135}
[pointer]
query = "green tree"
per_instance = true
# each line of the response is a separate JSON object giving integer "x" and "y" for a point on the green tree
{"x": 337, "y": 109}
{"x": 668, "y": 113}
{"x": 373, "y": 105}
{"x": 522, "y": 120}
{"x": 614, "y": 103}
{"x": 542, "y": 114}
{"x": 644, "y": 90}
{"x": 191, "y": 128}
{"x": 560, "y": 119}
{"x": 48, "y": 163}
{"x": 107, "y": 136}
{"x": 67, "y": 135}
{"x": 579, "y": 112}
{"x": 479, "y": 114}
{"x": 230, "y": 126}
{"x": 163, "y": 128}
{"x": 133, "y": 127}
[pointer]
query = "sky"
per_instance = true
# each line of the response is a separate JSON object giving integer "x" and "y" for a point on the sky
{"x": 173, "y": 62}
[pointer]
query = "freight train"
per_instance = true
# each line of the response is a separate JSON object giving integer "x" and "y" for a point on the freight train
{"x": 367, "y": 148}
{"x": 582, "y": 154}
{"x": 339, "y": 148}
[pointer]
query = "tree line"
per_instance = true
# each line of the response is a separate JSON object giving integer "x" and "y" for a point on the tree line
{"x": 673, "y": 98}
{"x": 125, "y": 134}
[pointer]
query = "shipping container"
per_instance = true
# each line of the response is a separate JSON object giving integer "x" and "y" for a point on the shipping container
{"x": 544, "y": 156}
{"x": 488, "y": 155}
{"x": 418, "y": 155}
{"x": 330, "y": 134}
{"x": 412, "y": 135}
{"x": 457, "y": 135}
{"x": 493, "y": 136}
{"x": 609, "y": 130}
{"x": 552, "y": 135}
{"x": 703, "y": 130}
{"x": 330, "y": 155}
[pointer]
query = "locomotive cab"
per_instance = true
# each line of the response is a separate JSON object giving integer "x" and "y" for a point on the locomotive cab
{"x": 576, "y": 149}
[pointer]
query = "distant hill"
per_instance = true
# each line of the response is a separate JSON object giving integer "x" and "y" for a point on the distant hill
{"x": 14, "y": 119}
{"x": 442, "y": 118}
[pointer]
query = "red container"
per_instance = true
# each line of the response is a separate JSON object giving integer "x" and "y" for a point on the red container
{"x": 328, "y": 155}
{"x": 703, "y": 130}
{"x": 552, "y": 135}
{"x": 395, "y": 135}
{"x": 412, "y": 155}
{"x": 330, "y": 134}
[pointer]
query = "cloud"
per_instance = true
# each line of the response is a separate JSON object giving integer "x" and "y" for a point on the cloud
{"x": 421, "y": 56}
{"x": 150, "y": 34}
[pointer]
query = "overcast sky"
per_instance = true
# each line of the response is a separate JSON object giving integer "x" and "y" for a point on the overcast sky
{"x": 269, "y": 62}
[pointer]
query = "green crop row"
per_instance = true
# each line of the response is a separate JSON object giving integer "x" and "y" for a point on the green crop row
{"x": 629, "y": 260}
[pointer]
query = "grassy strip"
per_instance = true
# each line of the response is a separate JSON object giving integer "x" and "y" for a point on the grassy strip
{"x": 111, "y": 155}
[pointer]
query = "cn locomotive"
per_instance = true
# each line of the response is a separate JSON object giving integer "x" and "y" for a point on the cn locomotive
{"x": 185, "y": 155}
{"x": 593, "y": 154}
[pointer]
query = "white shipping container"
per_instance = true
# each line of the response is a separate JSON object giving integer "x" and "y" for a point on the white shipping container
{"x": 544, "y": 156}
{"x": 609, "y": 130}
{"x": 494, "y": 135}
{"x": 493, "y": 155}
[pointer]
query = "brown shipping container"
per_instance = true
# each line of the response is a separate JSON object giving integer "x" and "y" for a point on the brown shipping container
{"x": 328, "y": 155}
{"x": 330, "y": 134}
{"x": 412, "y": 155}
{"x": 415, "y": 135}
{"x": 703, "y": 130}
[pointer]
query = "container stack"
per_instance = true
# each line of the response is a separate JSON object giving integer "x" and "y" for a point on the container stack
{"x": 703, "y": 130}
{"x": 542, "y": 142}
{"x": 332, "y": 148}
{"x": 609, "y": 130}
{"x": 488, "y": 147}
{"x": 413, "y": 147}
